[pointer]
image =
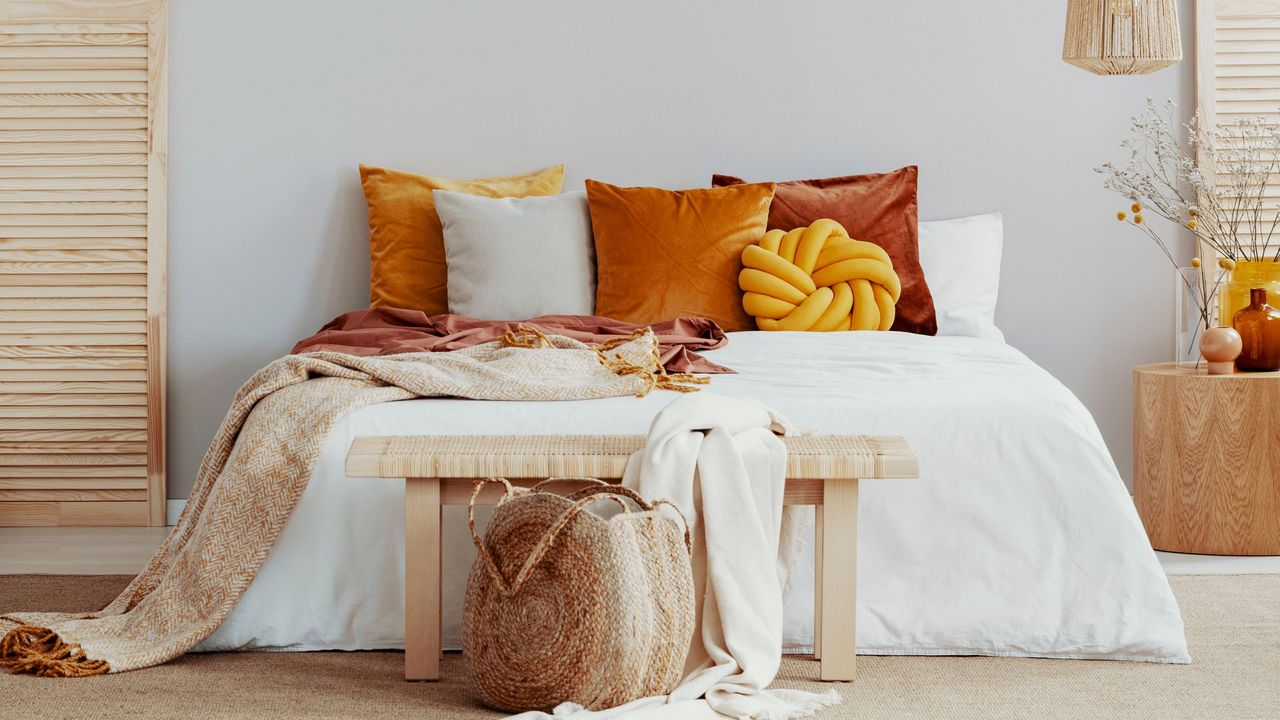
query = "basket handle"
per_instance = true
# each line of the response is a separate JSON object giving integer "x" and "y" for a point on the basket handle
{"x": 566, "y": 478}
{"x": 574, "y": 478}
{"x": 644, "y": 505}
{"x": 583, "y": 498}
{"x": 510, "y": 492}
{"x": 613, "y": 489}
{"x": 471, "y": 519}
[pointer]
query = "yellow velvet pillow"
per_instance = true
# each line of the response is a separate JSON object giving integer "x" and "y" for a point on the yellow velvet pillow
{"x": 818, "y": 278}
{"x": 662, "y": 254}
{"x": 406, "y": 241}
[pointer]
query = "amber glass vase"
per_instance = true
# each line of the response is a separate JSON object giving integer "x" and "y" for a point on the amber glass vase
{"x": 1259, "y": 328}
{"x": 1245, "y": 276}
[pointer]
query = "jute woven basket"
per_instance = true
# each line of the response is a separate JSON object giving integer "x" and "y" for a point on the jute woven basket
{"x": 565, "y": 605}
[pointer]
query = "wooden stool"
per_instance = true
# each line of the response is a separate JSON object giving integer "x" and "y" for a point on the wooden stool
{"x": 822, "y": 470}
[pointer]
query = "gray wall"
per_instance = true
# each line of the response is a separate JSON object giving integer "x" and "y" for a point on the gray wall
{"x": 274, "y": 102}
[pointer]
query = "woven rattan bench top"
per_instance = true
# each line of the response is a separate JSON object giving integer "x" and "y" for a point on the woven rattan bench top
{"x": 809, "y": 457}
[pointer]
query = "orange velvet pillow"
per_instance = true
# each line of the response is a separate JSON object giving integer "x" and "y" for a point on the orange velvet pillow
{"x": 663, "y": 254}
{"x": 406, "y": 241}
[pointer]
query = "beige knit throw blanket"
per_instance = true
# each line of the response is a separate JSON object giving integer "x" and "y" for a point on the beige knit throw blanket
{"x": 259, "y": 463}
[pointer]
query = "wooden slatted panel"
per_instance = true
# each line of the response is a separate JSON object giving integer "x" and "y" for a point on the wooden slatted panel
{"x": 71, "y": 267}
{"x": 101, "y": 435}
{"x": 69, "y": 464}
{"x": 72, "y": 514}
{"x": 36, "y": 414}
{"x": 1238, "y": 78}
{"x": 65, "y": 495}
{"x": 55, "y": 372}
{"x": 47, "y": 481}
{"x": 61, "y": 315}
{"x": 26, "y": 288}
{"x": 74, "y": 281}
{"x": 64, "y": 51}
{"x": 78, "y": 422}
{"x": 82, "y": 223}
{"x": 73, "y": 401}
{"x": 82, "y": 339}
{"x": 72, "y": 303}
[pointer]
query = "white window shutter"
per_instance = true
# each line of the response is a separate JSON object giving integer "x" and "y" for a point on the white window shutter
{"x": 1238, "y": 70}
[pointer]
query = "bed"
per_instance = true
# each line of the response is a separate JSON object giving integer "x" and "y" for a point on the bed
{"x": 1018, "y": 539}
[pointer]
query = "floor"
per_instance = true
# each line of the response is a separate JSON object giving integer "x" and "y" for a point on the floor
{"x": 1232, "y": 625}
{"x": 1228, "y": 603}
{"x": 122, "y": 551}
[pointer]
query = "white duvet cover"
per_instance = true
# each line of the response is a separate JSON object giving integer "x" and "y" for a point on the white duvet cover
{"x": 1019, "y": 538}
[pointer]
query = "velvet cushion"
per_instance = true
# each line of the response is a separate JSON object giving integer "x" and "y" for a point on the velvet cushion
{"x": 880, "y": 208}
{"x": 663, "y": 254}
{"x": 406, "y": 241}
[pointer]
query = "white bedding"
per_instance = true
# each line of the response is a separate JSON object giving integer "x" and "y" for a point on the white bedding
{"x": 1018, "y": 538}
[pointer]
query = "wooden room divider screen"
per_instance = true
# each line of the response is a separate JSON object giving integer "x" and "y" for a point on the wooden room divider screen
{"x": 1238, "y": 77}
{"x": 82, "y": 262}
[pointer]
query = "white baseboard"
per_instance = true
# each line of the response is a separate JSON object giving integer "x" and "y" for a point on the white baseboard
{"x": 173, "y": 508}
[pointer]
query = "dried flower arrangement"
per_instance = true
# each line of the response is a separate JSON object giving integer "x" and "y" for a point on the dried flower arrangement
{"x": 1216, "y": 187}
{"x": 1230, "y": 216}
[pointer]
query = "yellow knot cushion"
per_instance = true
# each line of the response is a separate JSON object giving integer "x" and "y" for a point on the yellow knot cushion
{"x": 818, "y": 278}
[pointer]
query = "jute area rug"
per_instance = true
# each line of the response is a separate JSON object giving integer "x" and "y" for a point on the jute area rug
{"x": 1233, "y": 625}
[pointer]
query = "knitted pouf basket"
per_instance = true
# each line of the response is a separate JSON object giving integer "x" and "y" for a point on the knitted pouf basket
{"x": 564, "y": 605}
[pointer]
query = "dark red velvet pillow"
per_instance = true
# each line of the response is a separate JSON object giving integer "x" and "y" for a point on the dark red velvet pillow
{"x": 879, "y": 208}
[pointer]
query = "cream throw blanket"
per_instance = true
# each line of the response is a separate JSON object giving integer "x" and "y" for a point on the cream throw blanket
{"x": 720, "y": 461}
{"x": 258, "y": 465}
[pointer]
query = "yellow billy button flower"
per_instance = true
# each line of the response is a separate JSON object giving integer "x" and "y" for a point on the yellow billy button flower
{"x": 1121, "y": 216}
{"x": 1192, "y": 212}
{"x": 1137, "y": 219}
{"x": 1136, "y": 208}
{"x": 1195, "y": 262}
{"x": 1191, "y": 224}
{"x": 1227, "y": 263}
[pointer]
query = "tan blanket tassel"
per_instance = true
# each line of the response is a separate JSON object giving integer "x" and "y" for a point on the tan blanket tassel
{"x": 39, "y": 651}
{"x": 655, "y": 376}
{"x": 526, "y": 336}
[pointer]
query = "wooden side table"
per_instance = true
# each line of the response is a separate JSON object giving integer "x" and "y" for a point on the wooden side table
{"x": 822, "y": 470}
{"x": 1206, "y": 460}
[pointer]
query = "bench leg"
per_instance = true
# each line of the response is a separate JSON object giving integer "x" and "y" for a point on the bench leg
{"x": 839, "y": 578}
{"x": 817, "y": 582}
{"x": 422, "y": 579}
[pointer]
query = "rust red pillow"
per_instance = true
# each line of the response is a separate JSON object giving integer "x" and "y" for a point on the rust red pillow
{"x": 881, "y": 208}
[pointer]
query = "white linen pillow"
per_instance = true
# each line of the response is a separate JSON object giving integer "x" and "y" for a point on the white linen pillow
{"x": 517, "y": 258}
{"x": 961, "y": 263}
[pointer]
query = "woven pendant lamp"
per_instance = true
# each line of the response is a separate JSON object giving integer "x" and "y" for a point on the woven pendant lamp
{"x": 1122, "y": 37}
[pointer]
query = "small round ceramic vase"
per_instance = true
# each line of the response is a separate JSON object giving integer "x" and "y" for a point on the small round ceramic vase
{"x": 1221, "y": 346}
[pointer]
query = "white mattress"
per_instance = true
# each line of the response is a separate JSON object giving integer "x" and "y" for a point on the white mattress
{"x": 1019, "y": 537}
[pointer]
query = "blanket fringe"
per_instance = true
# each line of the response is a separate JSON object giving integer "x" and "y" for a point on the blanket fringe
{"x": 654, "y": 374}
{"x": 526, "y": 336}
{"x": 806, "y": 708}
{"x": 39, "y": 651}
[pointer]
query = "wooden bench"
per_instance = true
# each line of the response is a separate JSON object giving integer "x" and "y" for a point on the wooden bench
{"x": 822, "y": 470}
